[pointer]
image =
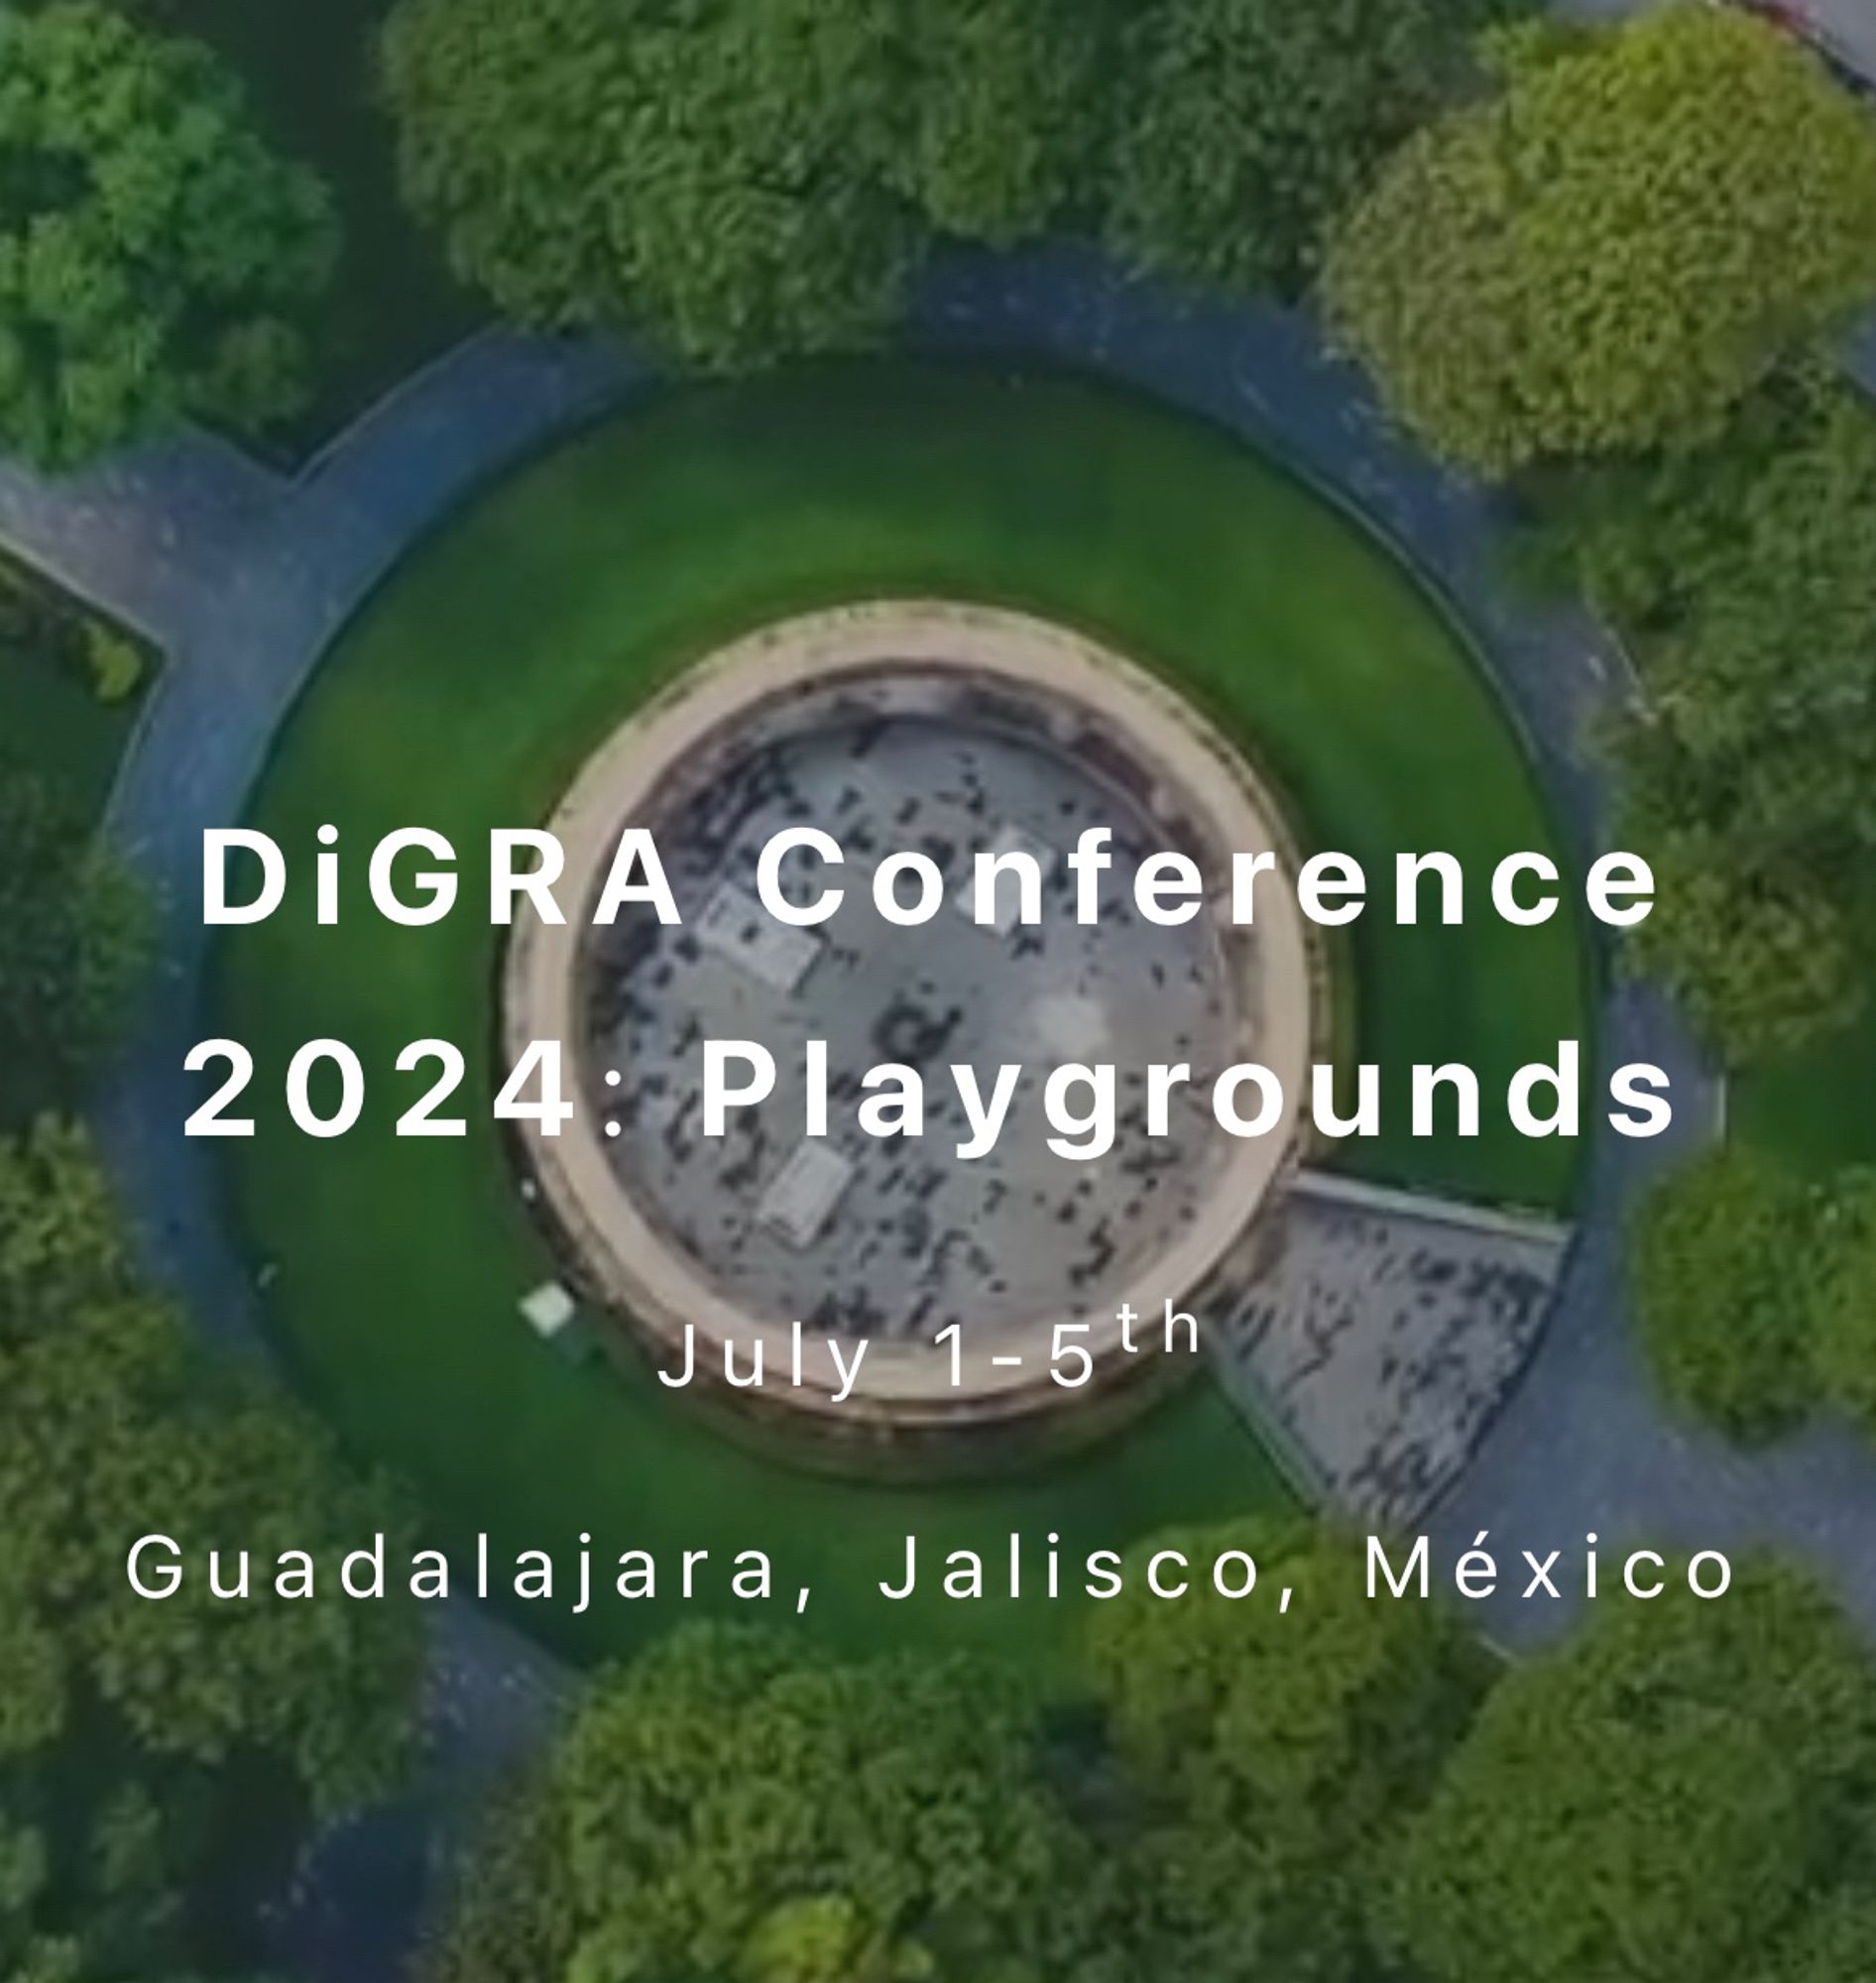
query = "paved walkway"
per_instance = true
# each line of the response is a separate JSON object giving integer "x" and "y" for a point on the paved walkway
{"x": 244, "y": 578}
{"x": 140, "y": 534}
{"x": 1844, "y": 28}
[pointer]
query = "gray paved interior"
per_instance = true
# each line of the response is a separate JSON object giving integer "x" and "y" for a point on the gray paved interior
{"x": 917, "y": 1239}
{"x": 1383, "y": 1335}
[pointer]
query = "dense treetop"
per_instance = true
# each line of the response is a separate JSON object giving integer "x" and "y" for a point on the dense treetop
{"x": 743, "y": 178}
{"x": 1832, "y": 1937}
{"x": 131, "y": 1730}
{"x": 1607, "y": 255}
{"x": 1003, "y": 104}
{"x": 1721, "y": 1261}
{"x": 1263, "y": 1757}
{"x": 1668, "y": 1795}
{"x": 107, "y": 1412}
{"x": 729, "y": 1807}
{"x": 1338, "y": 1710}
{"x": 1738, "y": 573}
{"x": 1246, "y": 127}
{"x": 155, "y": 256}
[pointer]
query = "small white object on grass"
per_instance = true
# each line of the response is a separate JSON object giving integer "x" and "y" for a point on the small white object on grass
{"x": 548, "y": 1310}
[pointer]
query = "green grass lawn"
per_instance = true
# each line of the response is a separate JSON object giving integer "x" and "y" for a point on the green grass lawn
{"x": 473, "y": 689}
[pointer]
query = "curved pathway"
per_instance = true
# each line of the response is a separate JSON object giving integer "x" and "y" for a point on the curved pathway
{"x": 245, "y": 577}
{"x": 257, "y": 575}
{"x": 246, "y": 614}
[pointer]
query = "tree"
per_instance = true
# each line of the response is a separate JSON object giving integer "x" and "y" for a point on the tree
{"x": 1003, "y": 105}
{"x": 32, "y": 1680}
{"x": 742, "y": 179}
{"x": 1740, "y": 573}
{"x": 1833, "y": 1939}
{"x": 1264, "y": 1755}
{"x": 727, "y": 1807}
{"x": 92, "y": 1855}
{"x": 108, "y": 1421}
{"x": 1246, "y": 127}
{"x": 1721, "y": 1261}
{"x": 323, "y": 1686}
{"x": 1610, "y": 253}
{"x": 1738, "y": 576}
{"x": 1759, "y": 945}
{"x": 77, "y": 940}
{"x": 1659, "y": 1799}
{"x": 155, "y": 256}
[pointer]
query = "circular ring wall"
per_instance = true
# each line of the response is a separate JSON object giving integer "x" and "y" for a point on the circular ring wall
{"x": 948, "y": 729}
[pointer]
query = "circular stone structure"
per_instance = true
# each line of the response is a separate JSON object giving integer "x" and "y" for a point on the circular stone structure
{"x": 950, "y": 730}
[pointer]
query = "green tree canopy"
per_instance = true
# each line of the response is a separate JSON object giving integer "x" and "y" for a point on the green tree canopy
{"x": 77, "y": 939}
{"x": 1001, "y": 105}
{"x": 1246, "y": 127}
{"x": 1738, "y": 575}
{"x": 1721, "y": 1260}
{"x": 1661, "y": 1798}
{"x": 730, "y": 1807}
{"x": 742, "y": 179}
{"x": 111, "y": 1429}
{"x": 98, "y": 1843}
{"x": 1833, "y": 1940}
{"x": 1265, "y": 1753}
{"x": 1606, "y": 256}
{"x": 155, "y": 256}
{"x": 1761, "y": 946}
